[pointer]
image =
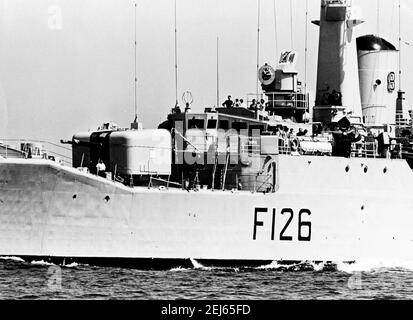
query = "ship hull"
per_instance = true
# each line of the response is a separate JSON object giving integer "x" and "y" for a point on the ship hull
{"x": 324, "y": 209}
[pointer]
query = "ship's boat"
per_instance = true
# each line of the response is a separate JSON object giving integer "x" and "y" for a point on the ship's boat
{"x": 273, "y": 181}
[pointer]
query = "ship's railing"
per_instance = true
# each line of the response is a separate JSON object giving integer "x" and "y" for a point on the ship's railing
{"x": 402, "y": 122}
{"x": 364, "y": 150}
{"x": 274, "y": 100}
{"x": 285, "y": 149}
{"x": 229, "y": 143}
{"x": 250, "y": 145}
{"x": 259, "y": 182}
{"x": 159, "y": 182}
{"x": 337, "y": 2}
{"x": 370, "y": 150}
{"x": 49, "y": 150}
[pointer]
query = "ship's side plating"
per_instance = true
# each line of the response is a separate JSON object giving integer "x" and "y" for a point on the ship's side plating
{"x": 325, "y": 209}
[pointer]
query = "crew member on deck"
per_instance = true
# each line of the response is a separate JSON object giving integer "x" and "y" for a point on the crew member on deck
{"x": 383, "y": 140}
{"x": 253, "y": 105}
{"x": 261, "y": 105}
{"x": 100, "y": 168}
{"x": 242, "y": 104}
{"x": 228, "y": 103}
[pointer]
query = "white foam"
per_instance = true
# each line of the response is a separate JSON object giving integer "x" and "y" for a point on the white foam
{"x": 177, "y": 269}
{"x": 275, "y": 265}
{"x": 12, "y": 258}
{"x": 71, "y": 265}
{"x": 272, "y": 265}
{"x": 317, "y": 266}
{"x": 374, "y": 266}
{"x": 198, "y": 265}
{"x": 42, "y": 263}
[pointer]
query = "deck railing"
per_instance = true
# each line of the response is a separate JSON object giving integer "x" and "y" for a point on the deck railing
{"x": 49, "y": 150}
{"x": 274, "y": 100}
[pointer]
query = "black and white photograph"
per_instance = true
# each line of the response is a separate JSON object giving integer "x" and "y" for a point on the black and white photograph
{"x": 206, "y": 151}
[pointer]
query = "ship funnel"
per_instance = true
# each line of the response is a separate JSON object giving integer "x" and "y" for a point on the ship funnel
{"x": 378, "y": 63}
{"x": 338, "y": 92}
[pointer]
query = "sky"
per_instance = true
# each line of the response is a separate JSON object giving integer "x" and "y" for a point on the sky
{"x": 68, "y": 65}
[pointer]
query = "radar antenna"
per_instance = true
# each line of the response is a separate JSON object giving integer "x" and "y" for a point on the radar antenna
{"x": 187, "y": 98}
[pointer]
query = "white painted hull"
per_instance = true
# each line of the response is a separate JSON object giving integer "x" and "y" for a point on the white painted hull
{"x": 354, "y": 215}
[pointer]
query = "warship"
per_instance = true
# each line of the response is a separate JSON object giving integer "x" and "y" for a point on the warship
{"x": 278, "y": 180}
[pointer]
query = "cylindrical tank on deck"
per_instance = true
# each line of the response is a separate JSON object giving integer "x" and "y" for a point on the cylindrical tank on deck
{"x": 378, "y": 65}
{"x": 141, "y": 152}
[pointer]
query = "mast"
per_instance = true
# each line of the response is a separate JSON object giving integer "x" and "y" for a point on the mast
{"x": 291, "y": 24}
{"x": 400, "y": 94}
{"x": 258, "y": 45}
{"x": 275, "y": 30}
{"x": 378, "y": 19}
{"x": 306, "y": 46}
{"x": 217, "y": 72}
{"x": 136, "y": 78}
{"x": 400, "y": 49}
{"x": 176, "y": 62}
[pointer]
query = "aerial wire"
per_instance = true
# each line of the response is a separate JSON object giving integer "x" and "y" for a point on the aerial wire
{"x": 176, "y": 62}
{"x": 400, "y": 48}
{"x": 275, "y": 30}
{"x": 306, "y": 54}
{"x": 217, "y": 72}
{"x": 291, "y": 24}
{"x": 378, "y": 18}
{"x": 258, "y": 44}
{"x": 306, "y": 46}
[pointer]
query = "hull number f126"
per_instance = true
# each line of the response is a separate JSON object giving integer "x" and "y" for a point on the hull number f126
{"x": 303, "y": 229}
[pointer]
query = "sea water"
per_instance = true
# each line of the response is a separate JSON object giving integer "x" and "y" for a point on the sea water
{"x": 42, "y": 280}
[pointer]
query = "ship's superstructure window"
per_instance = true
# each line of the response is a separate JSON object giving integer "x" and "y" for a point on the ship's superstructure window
{"x": 224, "y": 124}
{"x": 212, "y": 124}
{"x": 196, "y": 124}
{"x": 258, "y": 128}
{"x": 239, "y": 125}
